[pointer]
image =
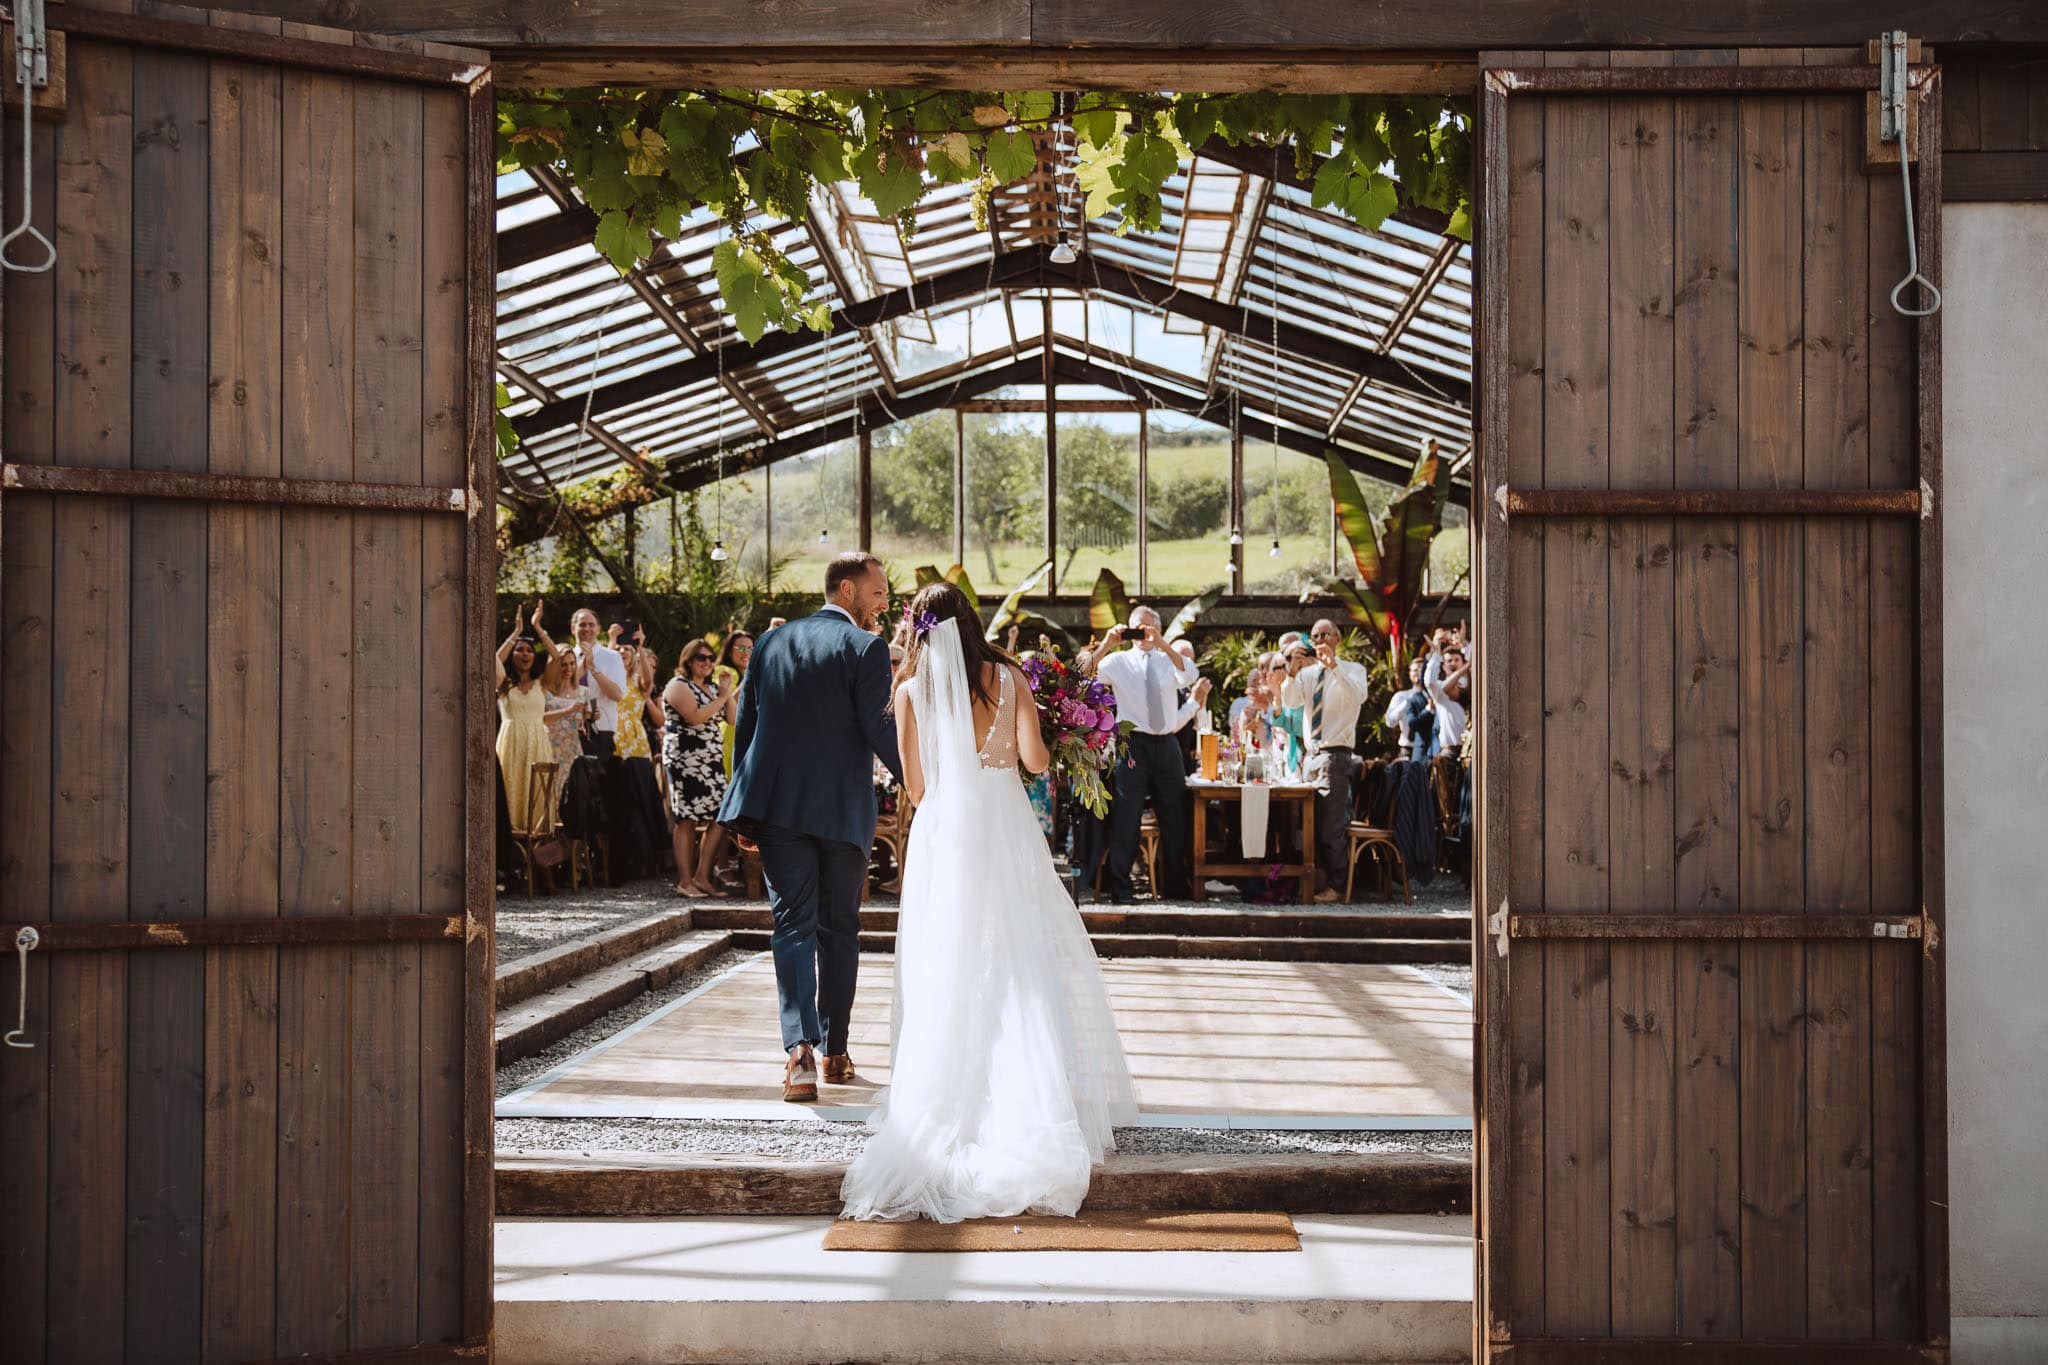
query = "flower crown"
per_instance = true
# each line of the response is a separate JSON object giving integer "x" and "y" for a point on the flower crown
{"x": 921, "y": 624}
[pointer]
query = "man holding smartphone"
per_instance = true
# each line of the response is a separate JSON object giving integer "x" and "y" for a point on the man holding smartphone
{"x": 1147, "y": 678}
{"x": 602, "y": 673}
{"x": 1331, "y": 692}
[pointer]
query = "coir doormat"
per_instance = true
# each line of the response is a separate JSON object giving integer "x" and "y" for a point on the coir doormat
{"x": 1110, "y": 1230}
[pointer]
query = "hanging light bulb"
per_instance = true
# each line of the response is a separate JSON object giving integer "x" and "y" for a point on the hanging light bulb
{"x": 718, "y": 551}
{"x": 1237, "y": 537}
{"x": 824, "y": 536}
{"x": 1062, "y": 252}
{"x": 1274, "y": 553}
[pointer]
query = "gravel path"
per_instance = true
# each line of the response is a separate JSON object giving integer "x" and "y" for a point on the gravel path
{"x": 528, "y": 924}
{"x": 823, "y": 1140}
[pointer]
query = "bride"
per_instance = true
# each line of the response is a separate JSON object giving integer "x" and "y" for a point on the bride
{"x": 1006, "y": 1071}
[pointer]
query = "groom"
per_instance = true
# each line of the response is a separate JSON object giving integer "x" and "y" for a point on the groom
{"x": 814, "y": 715}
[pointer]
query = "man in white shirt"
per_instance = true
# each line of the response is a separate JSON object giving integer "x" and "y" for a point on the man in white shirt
{"x": 1331, "y": 692}
{"x": 602, "y": 675}
{"x": 1444, "y": 676}
{"x": 1147, "y": 678}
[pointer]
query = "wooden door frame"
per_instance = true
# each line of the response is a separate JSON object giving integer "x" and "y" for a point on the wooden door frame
{"x": 475, "y": 502}
{"x": 1496, "y": 920}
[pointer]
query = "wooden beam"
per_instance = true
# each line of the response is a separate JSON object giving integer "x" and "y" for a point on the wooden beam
{"x": 979, "y": 68}
{"x": 1994, "y": 177}
{"x": 1051, "y": 381}
{"x": 1105, "y": 44}
{"x": 1243, "y": 321}
{"x": 864, "y": 488}
{"x": 939, "y": 289}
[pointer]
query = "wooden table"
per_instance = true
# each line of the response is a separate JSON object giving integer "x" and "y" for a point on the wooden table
{"x": 1202, "y": 793}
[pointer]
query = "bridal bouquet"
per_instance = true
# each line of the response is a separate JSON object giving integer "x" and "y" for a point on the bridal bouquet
{"x": 1078, "y": 717}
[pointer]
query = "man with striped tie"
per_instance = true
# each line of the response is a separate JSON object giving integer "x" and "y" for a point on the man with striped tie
{"x": 1147, "y": 679}
{"x": 1331, "y": 692}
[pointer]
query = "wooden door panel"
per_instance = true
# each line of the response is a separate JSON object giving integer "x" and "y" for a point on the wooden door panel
{"x": 1710, "y": 1057}
{"x": 246, "y": 783}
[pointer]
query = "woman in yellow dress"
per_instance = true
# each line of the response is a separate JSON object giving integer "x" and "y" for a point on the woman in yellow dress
{"x": 522, "y": 729}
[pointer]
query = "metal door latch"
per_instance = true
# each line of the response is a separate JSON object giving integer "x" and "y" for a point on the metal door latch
{"x": 24, "y": 940}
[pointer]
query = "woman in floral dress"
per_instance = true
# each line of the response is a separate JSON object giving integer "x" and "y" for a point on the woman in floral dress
{"x": 693, "y": 752}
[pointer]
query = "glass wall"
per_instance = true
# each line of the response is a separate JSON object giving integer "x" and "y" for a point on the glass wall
{"x": 1187, "y": 506}
{"x": 814, "y": 512}
{"x": 1098, "y": 525}
{"x": 913, "y": 496}
{"x": 1005, "y": 475}
{"x": 1287, "y": 507}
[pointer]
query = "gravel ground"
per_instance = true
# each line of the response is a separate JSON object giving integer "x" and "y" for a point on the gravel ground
{"x": 528, "y": 924}
{"x": 823, "y": 1140}
{"x": 1456, "y": 975}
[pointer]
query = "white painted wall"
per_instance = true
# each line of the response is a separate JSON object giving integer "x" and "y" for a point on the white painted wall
{"x": 1995, "y": 648}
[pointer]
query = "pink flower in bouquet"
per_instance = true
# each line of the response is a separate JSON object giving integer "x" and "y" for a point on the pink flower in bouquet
{"x": 1105, "y": 723}
{"x": 1076, "y": 715}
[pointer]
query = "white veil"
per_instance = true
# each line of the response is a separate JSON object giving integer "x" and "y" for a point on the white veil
{"x": 944, "y": 706}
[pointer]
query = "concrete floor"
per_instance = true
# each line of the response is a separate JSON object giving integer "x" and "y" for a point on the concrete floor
{"x": 763, "y": 1290}
{"x": 1211, "y": 1044}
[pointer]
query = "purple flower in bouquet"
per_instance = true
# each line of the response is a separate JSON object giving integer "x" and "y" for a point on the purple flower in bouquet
{"x": 1076, "y": 714}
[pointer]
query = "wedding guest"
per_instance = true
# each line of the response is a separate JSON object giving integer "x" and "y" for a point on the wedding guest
{"x": 642, "y": 821}
{"x": 568, "y": 709}
{"x": 522, "y": 731}
{"x": 1410, "y": 713}
{"x": 1144, "y": 677}
{"x": 730, "y": 671}
{"x": 1251, "y": 715}
{"x": 599, "y": 670}
{"x": 1331, "y": 692}
{"x": 691, "y": 751}
{"x": 1444, "y": 676}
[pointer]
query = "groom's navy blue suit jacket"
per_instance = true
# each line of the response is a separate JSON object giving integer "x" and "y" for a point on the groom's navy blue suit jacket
{"x": 814, "y": 712}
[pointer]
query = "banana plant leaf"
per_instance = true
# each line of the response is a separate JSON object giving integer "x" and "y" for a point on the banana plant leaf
{"x": 1030, "y": 626}
{"x": 1198, "y": 605}
{"x": 1361, "y": 608}
{"x": 1108, "y": 605}
{"x": 1354, "y": 517}
{"x": 927, "y": 575}
{"x": 1413, "y": 519}
{"x": 1011, "y": 611}
{"x": 957, "y": 576}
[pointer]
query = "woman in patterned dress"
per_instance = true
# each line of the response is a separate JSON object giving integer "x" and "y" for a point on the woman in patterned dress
{"x": 693, "y": 752}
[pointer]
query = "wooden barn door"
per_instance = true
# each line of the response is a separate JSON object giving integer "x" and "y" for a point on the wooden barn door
{"x": 1712, "y": 1051}
{"x": 244, "y": 715}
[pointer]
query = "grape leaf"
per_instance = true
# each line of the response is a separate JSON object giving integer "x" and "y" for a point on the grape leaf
{"x": 1010, "y": 154}
{"x": 622, "y": 242}
{"x": 889, "y": 177}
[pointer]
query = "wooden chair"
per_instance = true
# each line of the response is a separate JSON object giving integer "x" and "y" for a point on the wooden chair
{"x": 1387, "y": 861}
{"x": 893, "y": 829}
{"x": 1148, "y": 850}
{"x": 539, "y": 823}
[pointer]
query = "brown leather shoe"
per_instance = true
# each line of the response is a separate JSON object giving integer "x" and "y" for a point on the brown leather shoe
{"x": 800, "y": 1078}
{"x": 838, "y": 1068}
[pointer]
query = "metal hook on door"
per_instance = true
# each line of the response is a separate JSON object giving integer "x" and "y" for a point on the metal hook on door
{"x": 1892, "y": 124}
{"x": 25, "y": 940}
{"x": 31, "y": 73}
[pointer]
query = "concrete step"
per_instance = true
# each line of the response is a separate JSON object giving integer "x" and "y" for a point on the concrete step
{"x": 1402, "y": 950}
{"x": 661, "y": 1185}
{"x": 537, "y": 1023}
{"x": 525, "y": 977}
{"x": 1220, "y": 922}
{"x": 763, "y": 1291}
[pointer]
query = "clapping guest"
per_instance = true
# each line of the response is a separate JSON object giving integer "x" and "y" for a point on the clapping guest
{"x": 522, "y": 732}
{"x": 1331, "y": 691}
{"x": 730, "y": 671}
{"x": 1410, "y": 713}
{"x": 1251, "y": 715}
{"x": 567, "y": 707}
{"x": 692, "y": 752}
{"x": 600, "y": 671}
{"x": 1444, "y": 676}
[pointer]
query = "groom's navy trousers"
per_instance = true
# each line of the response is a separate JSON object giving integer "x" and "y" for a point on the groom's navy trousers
{"x": 814, "y": 886}
{"x": 814, "y": 717}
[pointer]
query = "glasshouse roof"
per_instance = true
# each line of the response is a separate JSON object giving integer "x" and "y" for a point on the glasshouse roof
{"x": 1247, "y": 305}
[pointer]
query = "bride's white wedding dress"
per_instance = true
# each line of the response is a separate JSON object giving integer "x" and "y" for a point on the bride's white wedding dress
{"x": 1006, "y": 1073}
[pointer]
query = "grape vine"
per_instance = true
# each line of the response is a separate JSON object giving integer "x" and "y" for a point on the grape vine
{"x": 644, "y": 160}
